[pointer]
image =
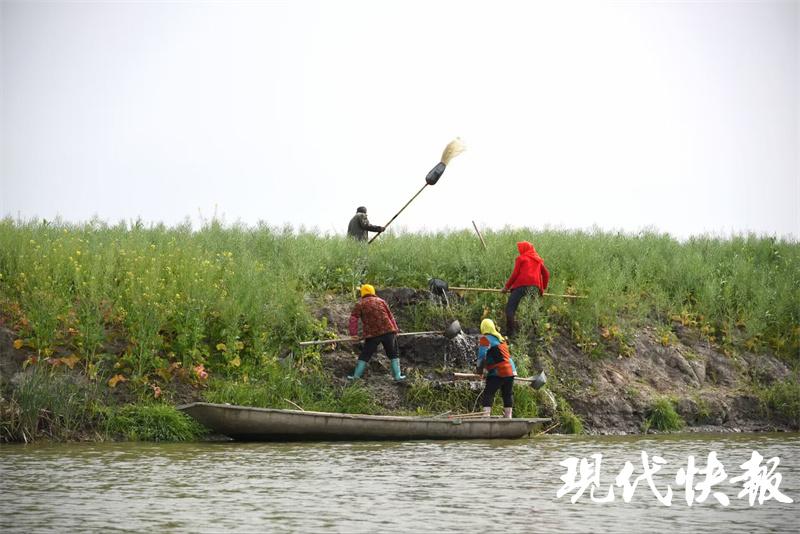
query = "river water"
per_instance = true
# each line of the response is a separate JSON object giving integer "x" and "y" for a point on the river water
{"x": 464, "y": 486}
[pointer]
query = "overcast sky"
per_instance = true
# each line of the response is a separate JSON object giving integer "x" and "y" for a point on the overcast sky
{"x": 683, "y": 117}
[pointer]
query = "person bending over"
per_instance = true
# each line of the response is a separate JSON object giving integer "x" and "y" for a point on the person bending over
{"x": 378, "y": 326}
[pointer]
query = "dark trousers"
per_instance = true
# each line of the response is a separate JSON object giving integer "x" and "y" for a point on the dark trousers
{"x": 513, "y": 303}
{"x": 389, "y": 342}
{"x": 506, "y": 386}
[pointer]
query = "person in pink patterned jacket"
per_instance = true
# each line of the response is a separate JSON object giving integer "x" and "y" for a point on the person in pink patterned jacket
{"x": 378, "y": 326}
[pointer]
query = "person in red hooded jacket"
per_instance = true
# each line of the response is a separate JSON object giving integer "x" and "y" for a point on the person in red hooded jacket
{"x": 529, "y": 273}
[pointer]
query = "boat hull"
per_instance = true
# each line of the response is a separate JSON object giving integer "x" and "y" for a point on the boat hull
{"x": 247, "y": 423}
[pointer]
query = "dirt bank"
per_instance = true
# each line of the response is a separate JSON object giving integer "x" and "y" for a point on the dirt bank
{"x": 710, "y": 390}
{"x": 612, "y": 394}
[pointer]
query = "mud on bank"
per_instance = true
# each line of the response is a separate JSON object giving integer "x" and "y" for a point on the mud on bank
{"x": 612, "y": 394}
{"x": 616, "y": 393}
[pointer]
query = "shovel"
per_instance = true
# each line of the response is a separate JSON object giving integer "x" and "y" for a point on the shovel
{"x": 536, "y": 382}
{"x": 438, "y": 286}
{"x": 452, "y": 330}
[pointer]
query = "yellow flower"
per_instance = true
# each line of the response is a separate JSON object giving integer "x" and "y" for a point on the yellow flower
{"x": 18, "y": 344}
{"x": 222, "y": 347}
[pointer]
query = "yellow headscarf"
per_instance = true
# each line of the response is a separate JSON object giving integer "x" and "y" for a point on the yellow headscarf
{"x": 367, "y": 289}
{"x": 487, "y": 327}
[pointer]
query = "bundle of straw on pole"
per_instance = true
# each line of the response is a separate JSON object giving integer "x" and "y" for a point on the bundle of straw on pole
{"x": 453, "y": 149}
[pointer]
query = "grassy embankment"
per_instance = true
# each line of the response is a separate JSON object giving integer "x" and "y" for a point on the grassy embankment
{"x": 110, "y": 316}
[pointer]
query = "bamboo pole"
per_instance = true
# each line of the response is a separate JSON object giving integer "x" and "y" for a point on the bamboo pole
{"x": 479, "y": 235}
{"x": 295, "y": 405}
{"x": 356, "y": 339}
{"x": 385, "y": 226}
{"x": 471, "y": 415}
{"x": 478, "y": 377}
{"x": 494, "y": 290}
{"x": 453, "y": 149}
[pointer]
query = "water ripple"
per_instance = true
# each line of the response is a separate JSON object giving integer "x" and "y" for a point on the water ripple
{"x": 368, "y": 487}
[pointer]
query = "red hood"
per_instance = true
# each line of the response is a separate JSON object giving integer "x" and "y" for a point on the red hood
{"x": 526, "y": 249}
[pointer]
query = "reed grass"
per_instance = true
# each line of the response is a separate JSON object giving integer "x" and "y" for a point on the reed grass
{"x": 49, "y": 403}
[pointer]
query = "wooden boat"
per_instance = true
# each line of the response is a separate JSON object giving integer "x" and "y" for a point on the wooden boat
{"x": 266, "y": 424}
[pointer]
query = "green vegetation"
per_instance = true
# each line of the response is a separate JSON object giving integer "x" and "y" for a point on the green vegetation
{"x": 429, "y": 399}
{"x": 139, "y": 311}
{"x": 568, "y": 422}
{"x": 782, "y": 399}
{"x": 62, "y": 405}
{"x": 151, "y": 422}
{"x": 662, "y": 416}
{"x": 289, "y": 387}
{"x": 50, "y": 403}
{"x": 703, "y": 409}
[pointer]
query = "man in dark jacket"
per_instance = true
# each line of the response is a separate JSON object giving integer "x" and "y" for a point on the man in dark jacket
{"x": 360, "y": 227}
{"x": 529, "y": 275}
{"x": 378, "y": 326}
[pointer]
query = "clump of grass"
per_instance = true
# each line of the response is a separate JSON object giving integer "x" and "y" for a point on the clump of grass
{"x": 278, "y": 385}
{"x": 428, "y": 399}
{"x": 703, "y": 409}
{"x": 662, "y": 416}
{"x": 568, "y": 421}
{"x": 781, "y": 400}
{"x": 289, "y": 386}
{"x": 525, "y": 401}
{"x": 357, "y": 399}
{"x": 151, "y": 422}
{"x": 48, "y": 404}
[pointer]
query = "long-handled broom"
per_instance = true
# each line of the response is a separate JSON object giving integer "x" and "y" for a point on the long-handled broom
{"x": 453, "y": 149}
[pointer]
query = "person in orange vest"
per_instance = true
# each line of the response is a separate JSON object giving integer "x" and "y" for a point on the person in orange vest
{"x": 495, "y": 358}
{"x": 529, "y": 276}
{"x": 378, "y": 326}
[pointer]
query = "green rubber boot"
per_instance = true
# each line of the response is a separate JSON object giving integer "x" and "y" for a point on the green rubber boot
{"x": 360, "y": 366}
{"x": 396, "y": 370}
